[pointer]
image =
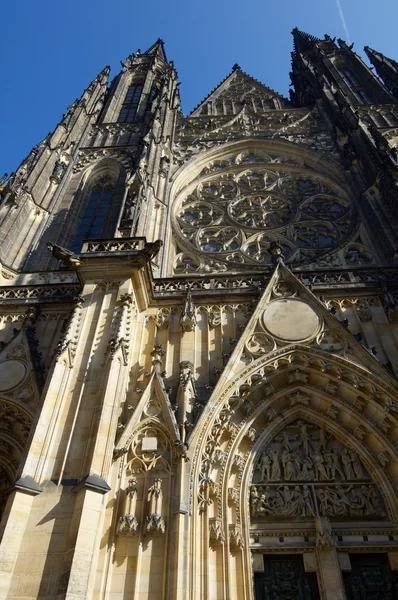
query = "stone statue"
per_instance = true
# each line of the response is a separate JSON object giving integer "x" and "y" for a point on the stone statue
{"x": 320, "y": 471}
{"x": 275, "y": 466}
{"x": 307, "y": 472}
{"x": 356, "y": 465}
{"x": 290, "y": 464}
{"x": 346, "y": 460}
{"x": 335, "y": 468}
{"x": 304, "y": 436}
{"x": 265, "y": 466}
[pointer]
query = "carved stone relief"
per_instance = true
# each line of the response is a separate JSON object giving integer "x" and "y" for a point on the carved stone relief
{"x": 305, "y": 472}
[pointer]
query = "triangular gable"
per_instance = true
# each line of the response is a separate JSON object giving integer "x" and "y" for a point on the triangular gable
{"x": 241, "y": 86}
{"x": 287, "y": 316}
{"x": 156, "y": 395}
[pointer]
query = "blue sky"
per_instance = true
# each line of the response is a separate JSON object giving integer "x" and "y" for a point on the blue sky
{"x": 51, "y": 50}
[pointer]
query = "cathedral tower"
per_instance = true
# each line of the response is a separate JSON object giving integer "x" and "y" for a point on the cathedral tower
{"x": 199, "y": 329}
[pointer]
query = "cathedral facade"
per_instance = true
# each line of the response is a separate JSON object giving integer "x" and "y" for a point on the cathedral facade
{"x": 199, "y": 339}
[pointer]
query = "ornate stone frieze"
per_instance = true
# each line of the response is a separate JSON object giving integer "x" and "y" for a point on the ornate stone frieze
{"x": 39, "y": 293}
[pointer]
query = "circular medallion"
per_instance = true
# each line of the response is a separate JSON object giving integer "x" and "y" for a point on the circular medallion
{"x": 12, "y": 373}
{"x": 290, "y": 320}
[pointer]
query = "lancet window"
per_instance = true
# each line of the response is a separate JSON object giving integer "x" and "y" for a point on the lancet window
{"x": 130, "y": 103}
{"x": 94, "y": 217}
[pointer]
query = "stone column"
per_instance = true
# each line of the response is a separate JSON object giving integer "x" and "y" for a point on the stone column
{"x": 329, "y": 571}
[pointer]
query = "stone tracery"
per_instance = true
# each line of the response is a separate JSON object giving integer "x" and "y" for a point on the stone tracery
{"x": 247, "y": 201}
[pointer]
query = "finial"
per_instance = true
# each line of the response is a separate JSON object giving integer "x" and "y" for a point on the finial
{"x": 188, "y": 319}
{"x": 236, "y": 67}
{"x": 157, "y": 355}
{"x": 277, "y": 254}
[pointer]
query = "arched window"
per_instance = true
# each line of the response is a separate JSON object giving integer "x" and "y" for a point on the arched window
{"x": 130, "y": 103}
{"x": 93, "y": 221}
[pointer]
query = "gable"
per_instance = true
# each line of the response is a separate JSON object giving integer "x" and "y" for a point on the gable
{"x": 236, "y": 91}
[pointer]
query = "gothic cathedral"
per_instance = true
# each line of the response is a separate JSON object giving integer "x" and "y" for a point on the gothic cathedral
{"x": 199, "y": 339}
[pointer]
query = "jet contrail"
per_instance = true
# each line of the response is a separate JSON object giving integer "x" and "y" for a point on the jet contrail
{"x": 340, "y": 9}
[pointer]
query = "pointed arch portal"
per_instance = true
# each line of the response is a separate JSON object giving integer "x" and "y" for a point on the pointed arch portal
{"x": 294, "y": 451}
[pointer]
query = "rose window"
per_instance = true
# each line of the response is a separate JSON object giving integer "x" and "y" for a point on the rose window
{"x": 236, "y": 211}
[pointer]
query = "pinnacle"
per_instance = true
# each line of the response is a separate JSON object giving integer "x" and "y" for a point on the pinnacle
{"x": 157, "y": 47}
{"x": 302, "y": 41}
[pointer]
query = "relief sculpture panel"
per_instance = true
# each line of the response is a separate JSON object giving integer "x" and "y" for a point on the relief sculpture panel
{"x": 305, "y": 472}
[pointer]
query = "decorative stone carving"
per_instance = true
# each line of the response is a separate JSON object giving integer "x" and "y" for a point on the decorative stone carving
{"x": 157, "y": 354}
{"x": 330, "y": 341}
{"x": 360, "y": 432}
{"x": 259, "y": 344}
{"x": 304, "y": 452}
{"x": 188, "y": 318}
{"x": 251, "y": 434}
{"x": 214, "y": 317}
{"x": 350, "y": 501}
{"x": 233, "y": 495}
{"x": 154, "y": 523}
{"x": 238, "y": 463}
{"x": 216, "y": 534}
{"x": 282, "y": 500}
{"x": 297, "y": 376}
{"x": 128, "y": 524}
{"x": 235, "y": 538}
{"x": 299, "y": 398}
{"x": 284, "y": 289}
{"x": 384, "y": 458}
{"x": 12, "y": 374}
{"x": 333, "y": 412}
{"x": 186, "y": 373}
{"x": 152, "y": 449}
{"x": 163, "y": 317}
{"x": 219, "y": 455}
{"x": 324, "y": 539}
